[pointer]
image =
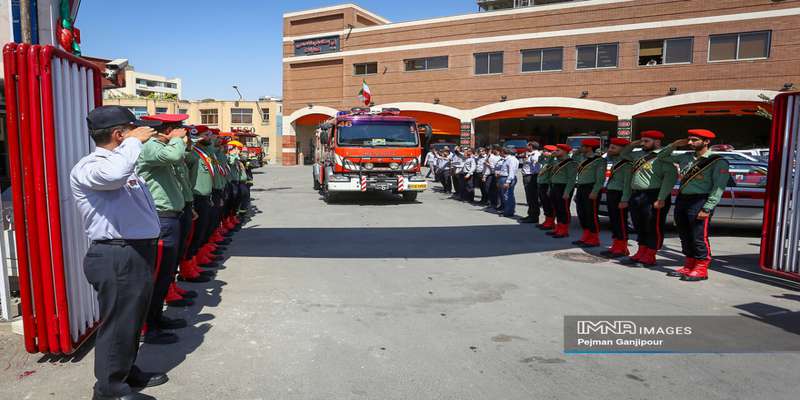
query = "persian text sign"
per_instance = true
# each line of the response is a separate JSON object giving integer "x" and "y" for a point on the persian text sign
{"x": 681, "y": 334}
{"x": 307, "y": 47}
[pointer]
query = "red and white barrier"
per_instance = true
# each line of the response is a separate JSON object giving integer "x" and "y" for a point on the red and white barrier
{"x": 401, "y": 183}
{"x": 48, "y": 95}
{"x": 780, "y": 243}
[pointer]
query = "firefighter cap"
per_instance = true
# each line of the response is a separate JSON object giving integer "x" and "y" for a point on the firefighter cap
{"x": 702, "y": 133}
{"x": 593, "y": 143}
{"x": 166, "y": 118}
{"x": 620, "y": 141}
{"x": 564, "y": 147}
{"x": 235, "y": 143}
{"x": 550, "y": 147}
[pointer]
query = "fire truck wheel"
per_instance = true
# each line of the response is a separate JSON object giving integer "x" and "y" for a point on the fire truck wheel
{"x": 328, "y": 196}
{"x": 410, "y": 197}
{"x": 317, "y": 186}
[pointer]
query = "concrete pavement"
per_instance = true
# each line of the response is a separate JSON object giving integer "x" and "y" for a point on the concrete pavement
{"x": 373, "y": 298}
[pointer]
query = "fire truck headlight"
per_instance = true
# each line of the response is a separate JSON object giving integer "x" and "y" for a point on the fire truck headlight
{"x": 369, "y": 165}
{"x": 394, "y": 165}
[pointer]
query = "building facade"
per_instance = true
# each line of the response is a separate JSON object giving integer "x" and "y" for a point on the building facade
{"x": 261, "y": 117}
{"x": 140, "y": 84}
{"x": 547, "y": 71}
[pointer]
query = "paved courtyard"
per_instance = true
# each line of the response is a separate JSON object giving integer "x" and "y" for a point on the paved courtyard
{"x": 373, "y": 298}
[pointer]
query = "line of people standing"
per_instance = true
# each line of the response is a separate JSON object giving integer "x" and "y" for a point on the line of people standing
{"x": 159, "y": 200}
{"x": 638, "y": 180}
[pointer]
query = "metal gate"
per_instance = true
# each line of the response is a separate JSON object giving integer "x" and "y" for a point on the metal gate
{"x": 780, "y": 252}
{"x": 48, "y": 95}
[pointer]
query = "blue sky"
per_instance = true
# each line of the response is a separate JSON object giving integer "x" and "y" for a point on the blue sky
{"x": 213, "y": 45}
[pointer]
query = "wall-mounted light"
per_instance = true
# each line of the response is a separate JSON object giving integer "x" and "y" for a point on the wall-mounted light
{"x": 436, "y": 101}
{"x": 787, "y": 86}
{"x": 584, "y": 94}
{"x": 310, "y": 105}
{"x": 503, "y": 98}
{"x": 672, "y": 91}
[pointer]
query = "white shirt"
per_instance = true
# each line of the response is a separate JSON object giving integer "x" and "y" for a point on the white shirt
{"x": 113, "y": 201}
{"x": 491, "y": 164}
{"x": 430, "y": 158}
{"x": 469, "y": 166}
{"x": 510, "y": 168}
{"x": 531, "y": 164}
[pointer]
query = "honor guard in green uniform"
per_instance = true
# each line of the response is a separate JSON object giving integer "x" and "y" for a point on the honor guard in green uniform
{"x": 543, "y": 182}
{"x": 201, "y": 174}
{"x": 704, "y": 176}
{"x": 156, "y": 165}
{"x": 562, "y": 183}
{"x": 652, "y": 181}
{"x": 590, "y": 180}
{"x": 618, "y": 193}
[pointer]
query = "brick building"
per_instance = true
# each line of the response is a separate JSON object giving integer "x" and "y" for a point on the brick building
{"x": 546, "y": 71}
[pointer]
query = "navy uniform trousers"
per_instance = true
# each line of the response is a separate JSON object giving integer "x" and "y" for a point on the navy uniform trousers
{"x": 531, "y": 195}
{"x": 618, "y": 219}
{"x": 544, "y": 199}
{"x": 122, "y": 275}
{"x": 168, "y": 248}
{"x": 560, "y": 206}
{"x": 202, "y": 206}
{"x": 586, "y": 208}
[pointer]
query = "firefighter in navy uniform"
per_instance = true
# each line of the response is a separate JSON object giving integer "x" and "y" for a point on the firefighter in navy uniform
{"x": 562, "y": 182}
{"x": 704, "y": 176}
{"x": 652, "y": 180}
{"x": 618, "y": 193}
{"x": 543, "y": 187}
{"x": 590, "y": 180}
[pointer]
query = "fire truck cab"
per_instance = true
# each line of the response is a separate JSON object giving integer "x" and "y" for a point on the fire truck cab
{"x": 361, "y": 150}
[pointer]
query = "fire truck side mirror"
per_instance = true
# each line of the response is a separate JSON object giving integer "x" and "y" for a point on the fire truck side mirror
{"x": 324, "y": 133}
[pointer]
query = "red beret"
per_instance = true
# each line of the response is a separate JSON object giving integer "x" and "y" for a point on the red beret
{"x": 167, "y": 118}
{"x": 593, "y": 143}
{"x": 658, "y": 135}
{"x": 620, "y": 141}
{"x": 214, "y": 131}
{"x": 564, "y": 147}
{"x": 550, "y": 147}
{"x": 702, "y": 133}
{"x": 201, "y": 128}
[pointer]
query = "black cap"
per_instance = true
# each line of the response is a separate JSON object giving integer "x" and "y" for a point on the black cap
{"x": 109, "y": 116}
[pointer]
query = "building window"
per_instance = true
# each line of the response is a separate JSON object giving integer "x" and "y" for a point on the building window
{"x": 183, "y": 111}
{"x": 161, "y": 110}
{"x": 597, "y": 56}
{"x": 739, "y": 46}
{"x": 537, "y": 60}
{"x": 489, "y": 63}
{"x": 424, "y": 64}
{"x": 138, "y": 111}
{"x": 209, "y": 116}
{"x": 665, "y": 51}
{"x": 265, "y": 116}
{"x": 241, "y": 115}
{"x": 365, "y": 68}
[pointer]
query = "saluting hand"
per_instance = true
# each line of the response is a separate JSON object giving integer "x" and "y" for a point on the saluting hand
{"x": 142, "y": 133}
{"x": 680, "y": 143}
{"x": 179, "y": 133}
{"x": 702, "y": 215}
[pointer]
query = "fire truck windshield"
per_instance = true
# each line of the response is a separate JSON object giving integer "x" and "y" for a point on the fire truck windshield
{"x": 378, "y": 134}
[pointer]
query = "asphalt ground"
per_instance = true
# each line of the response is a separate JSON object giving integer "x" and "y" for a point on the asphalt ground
{"x": 374, "y": 298}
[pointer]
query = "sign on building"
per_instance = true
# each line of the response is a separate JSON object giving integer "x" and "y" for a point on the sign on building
{"x": 307, "y": 47}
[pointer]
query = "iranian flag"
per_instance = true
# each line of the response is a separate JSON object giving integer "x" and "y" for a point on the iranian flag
{"x": 365, "y": 95}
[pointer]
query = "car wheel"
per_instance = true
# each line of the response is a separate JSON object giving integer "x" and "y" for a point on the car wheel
{"x": 410, "y": 197}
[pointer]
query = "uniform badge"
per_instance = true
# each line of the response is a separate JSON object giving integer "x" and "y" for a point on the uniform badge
{"x": 648, "y": 166}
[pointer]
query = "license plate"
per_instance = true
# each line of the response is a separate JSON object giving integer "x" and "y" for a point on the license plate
{"x": 416, "y": 186}
{"x": 382, "y": 187}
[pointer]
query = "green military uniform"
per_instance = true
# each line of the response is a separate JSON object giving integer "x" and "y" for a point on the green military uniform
{"x": 591, "y": 175}
{"x": 562, "y": 183}
{"x": 618, "y": 190}
{"x": 543, "y": 187}
{"x": 202, "y": 171}
{"x": 704, "y": 179}
{"x": 156, "y": 167}
{"x": 652, "y": 179}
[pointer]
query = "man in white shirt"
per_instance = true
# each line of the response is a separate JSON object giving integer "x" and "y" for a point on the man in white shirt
{"x": 530, "y": 171}
{"x": 508, "y": 181}
{"x": 490, "y": 177}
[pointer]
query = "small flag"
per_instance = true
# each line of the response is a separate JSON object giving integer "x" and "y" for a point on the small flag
{"x": 365, "y": 95}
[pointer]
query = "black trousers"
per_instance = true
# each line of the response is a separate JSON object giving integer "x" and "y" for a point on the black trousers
{"x": 587, "y": 208}
{"x": 531, "y": 195}
{"x": 477, "y": 181}
{"x": 186, "y": 228}
{"x": 244, "y": 190}
{"x": 648, "y": 221}
{"x": 168, "y": 246}
{"x": 217, "y": 204}
{"x": 544, "y": 199}
{"x": 693, "y": 232}
{"x": 202, "y": 206}
{"x": 123, "y": 279}
{"x": 459, "y": 181}
{"x": 468, "y": 188}
{"x": 491, "y": 190}
{"x": 560, "y": 205}
{"x": 447, "y": 181}
{"x": 617, "y": 218}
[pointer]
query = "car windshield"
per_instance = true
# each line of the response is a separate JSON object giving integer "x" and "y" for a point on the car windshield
{"x": 515, "y": 143}
{"x": 736, "y": 157}
{"x": 749, "y": 175}
{"x": 377, "y": 134}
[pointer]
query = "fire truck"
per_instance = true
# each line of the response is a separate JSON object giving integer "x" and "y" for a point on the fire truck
{"x": 251, "y": 142}
{"x": 365, "y": 151}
